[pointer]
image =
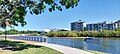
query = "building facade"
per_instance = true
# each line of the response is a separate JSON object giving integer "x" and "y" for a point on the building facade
{"x": 81, "y": 25}
{"x": 78, "y": 26}
{"x": 117, "y": 24}
{"x": 100, "y": 26}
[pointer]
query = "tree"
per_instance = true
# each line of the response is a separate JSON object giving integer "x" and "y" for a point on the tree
{"x": 1, "y": 33}
{"x": 118, "y": 29}
{"x": 13, "y": 31}
{"x": 15, "y": 10}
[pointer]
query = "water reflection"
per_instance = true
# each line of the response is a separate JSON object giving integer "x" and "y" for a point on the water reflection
{"x": 109, "y": 45}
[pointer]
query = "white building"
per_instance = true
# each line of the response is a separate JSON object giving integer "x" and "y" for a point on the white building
{"x": 81, "y": 25}
{"x": 117, "y": 24}
{"x": 46, "y": 30}
{"x": 78, "y": 26}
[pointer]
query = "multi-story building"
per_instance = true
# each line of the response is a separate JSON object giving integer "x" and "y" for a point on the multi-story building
{"x": 78, "y": 25}
{"x": 91, "y": 26}
{"x": 110, "y": 26}
{"x": 81, "y": 25}
{"x": 97, "y": 26}
{"x": 117, "y": 24}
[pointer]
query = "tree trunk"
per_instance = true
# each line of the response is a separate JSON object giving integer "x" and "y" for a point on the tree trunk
{"x": 5, "y": 34}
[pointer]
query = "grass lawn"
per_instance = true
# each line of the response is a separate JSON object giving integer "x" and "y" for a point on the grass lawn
{"x": 23, "y": 48}
{"x": 42, "y": 50}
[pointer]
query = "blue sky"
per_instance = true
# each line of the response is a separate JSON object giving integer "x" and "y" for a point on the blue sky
{"x": 87, "y": 10}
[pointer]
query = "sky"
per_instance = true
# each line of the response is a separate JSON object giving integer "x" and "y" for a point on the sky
{"x": 89, "y": 11}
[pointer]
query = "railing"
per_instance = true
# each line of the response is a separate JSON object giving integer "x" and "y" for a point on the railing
{"x": 29, "y": 38}
{"x": 60, "y": 41}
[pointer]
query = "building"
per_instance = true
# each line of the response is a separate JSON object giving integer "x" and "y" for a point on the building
{"x": 53, "y": 30}
{"x": 60, "y": 29}
{"x": 81, "y": 25}
{"x": 92, "y": 26}
{"x": 78, "y": 26}
{"x": 117, "y": 24}
{"x": 110, "y": 26}
{"x": 100, "y": 26}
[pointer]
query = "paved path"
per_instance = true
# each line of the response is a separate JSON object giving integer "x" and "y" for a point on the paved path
{"x": 63, "y": 49}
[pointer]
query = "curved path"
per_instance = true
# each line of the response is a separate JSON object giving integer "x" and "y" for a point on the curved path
{"x": 60, "y": 48}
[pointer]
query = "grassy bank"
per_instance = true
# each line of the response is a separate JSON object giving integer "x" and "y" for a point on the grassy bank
{"x": 23, "y": 48}
{"x": 104, "y": 33}
{"x": 42, "y": 50}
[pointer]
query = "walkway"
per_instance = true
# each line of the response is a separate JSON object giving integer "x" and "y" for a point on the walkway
{"x": 63, "y": 49}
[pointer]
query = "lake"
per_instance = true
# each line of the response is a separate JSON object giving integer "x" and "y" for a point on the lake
{"x": 108, "y": 45}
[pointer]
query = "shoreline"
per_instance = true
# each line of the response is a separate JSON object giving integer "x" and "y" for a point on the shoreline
{"x": 83, "y": 37}
{"x": 60, "y": 48}
{"x": 70, "y": 37}
{"x": 65, "y": 37}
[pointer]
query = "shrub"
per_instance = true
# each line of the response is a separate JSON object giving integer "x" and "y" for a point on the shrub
{"x": 62, "y": 34}
{"x": 104, "y": 33}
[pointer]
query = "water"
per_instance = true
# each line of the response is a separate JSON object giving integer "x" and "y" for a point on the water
{"x": 108, "y": 45}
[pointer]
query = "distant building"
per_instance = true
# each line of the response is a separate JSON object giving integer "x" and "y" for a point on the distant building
{"x": 81, "y": 25}
{"x": 117, "y": 24}
{"x": 78, "y": 25}
{"x": 100, "y": 26}
{"x": 60, "y": 29}
{"x": 46, "y": 30}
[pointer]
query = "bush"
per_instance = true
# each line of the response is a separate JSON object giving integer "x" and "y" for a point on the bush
{"x": 93, "y": 33}
{"x": 104, "y": 33}
{"x": 62, "y": 34}
{"x": 71, "y": 34}
{"x": 34, "y": 34}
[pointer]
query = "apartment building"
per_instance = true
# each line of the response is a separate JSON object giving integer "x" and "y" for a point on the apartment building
{"x": 78, "y": 25}
{"x": 117, "y": 24}
{"x": 81, "y": 25}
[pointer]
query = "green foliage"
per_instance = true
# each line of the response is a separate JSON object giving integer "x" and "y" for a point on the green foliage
{"x": 93, "y": 33}
{"x": 62, "y": 34}
{"x": 15, "y": 10}
{"x": 12, "y": 31}
{"x": 1, "y": 32}
{"x": 71, "y": 34}
{"x": 34, "y": 34}
{"x": 118, "y": 29}
{"x": 104, "y": 33}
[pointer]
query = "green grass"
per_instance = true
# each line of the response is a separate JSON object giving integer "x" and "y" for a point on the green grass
{"x": 42, "y": 50}
{"x": 23, "y": 48}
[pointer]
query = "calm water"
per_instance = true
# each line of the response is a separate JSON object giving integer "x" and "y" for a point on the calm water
{"x": 109, "y": 45}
